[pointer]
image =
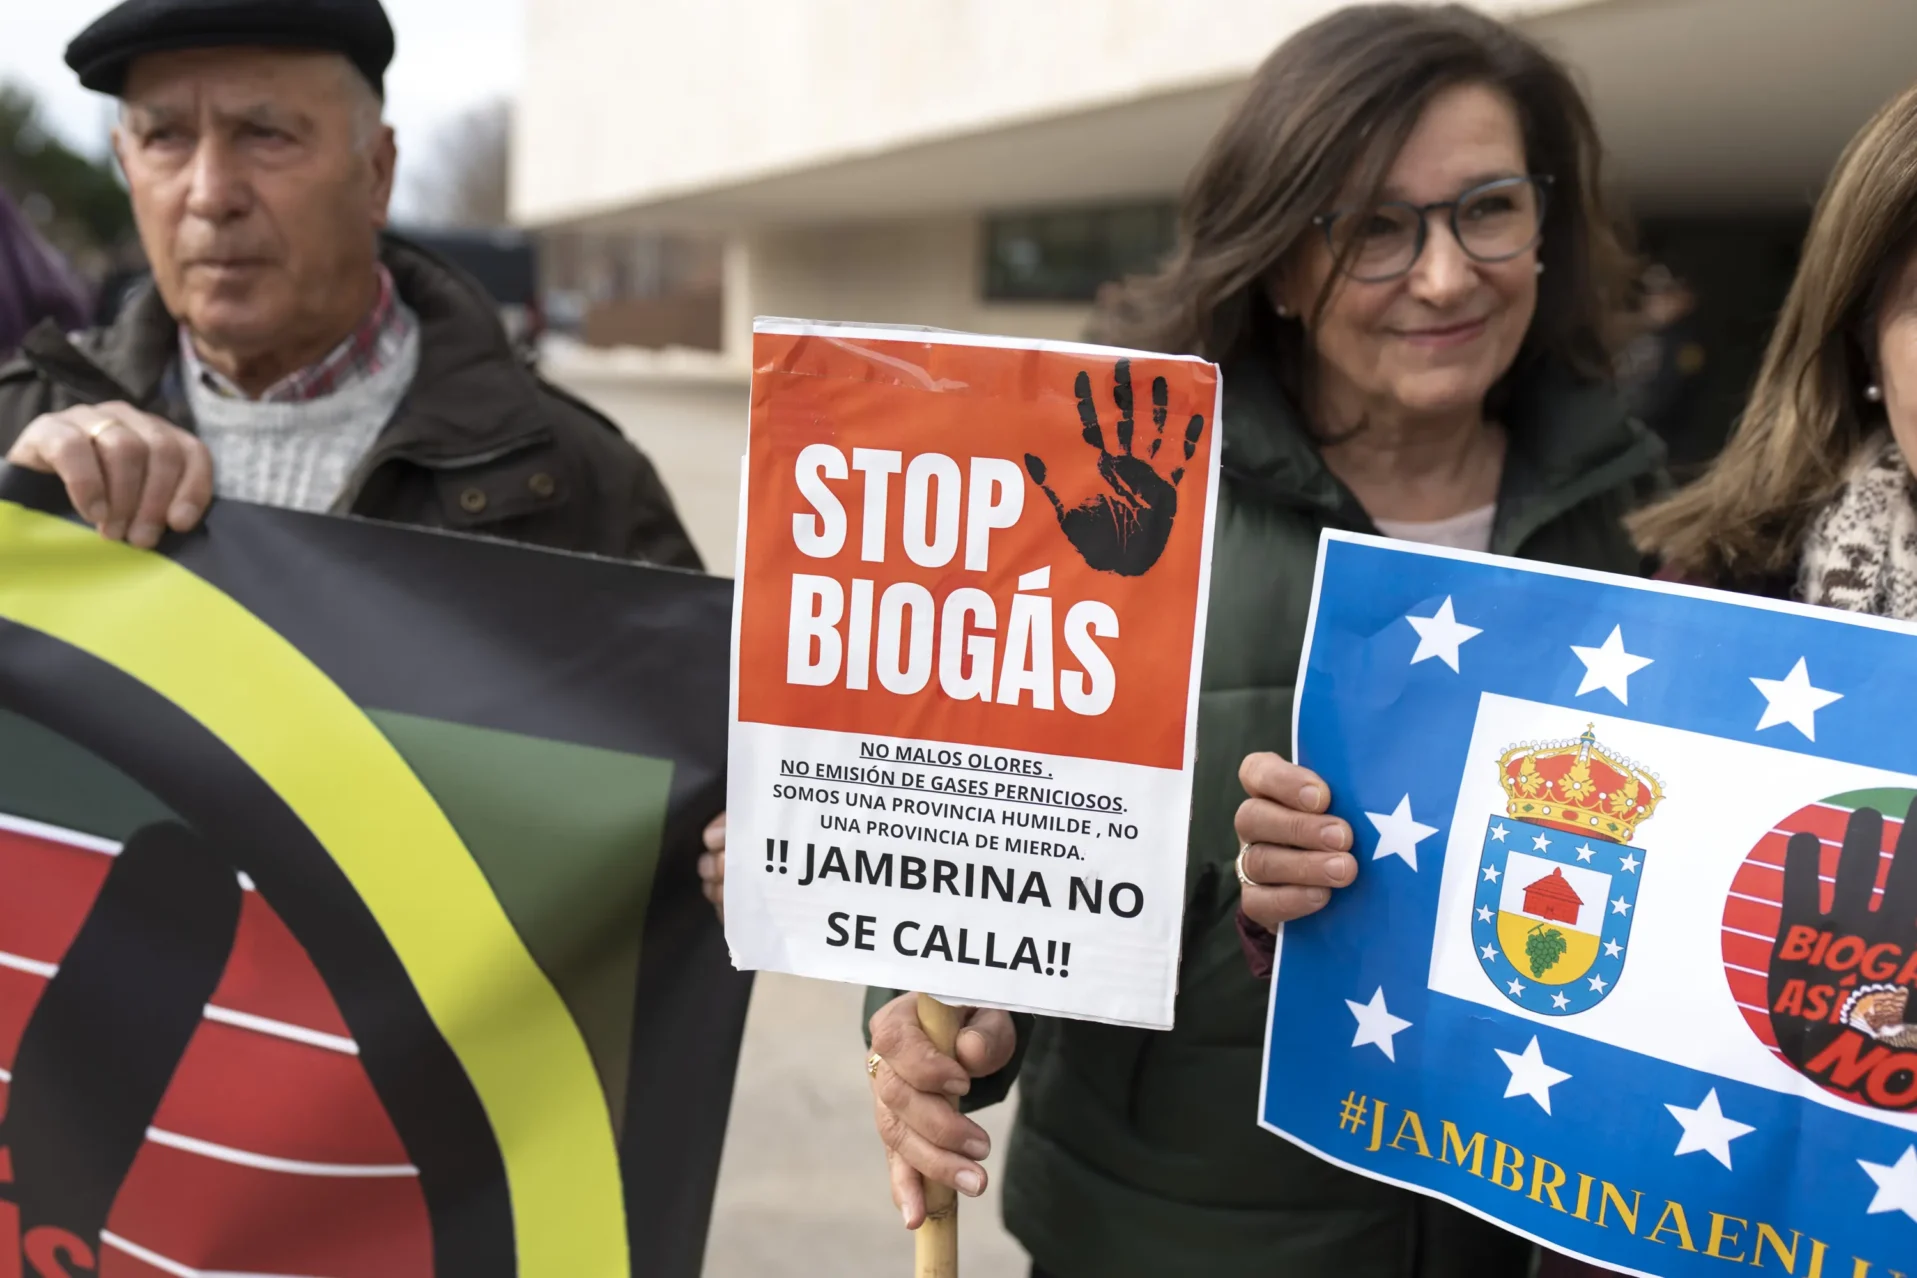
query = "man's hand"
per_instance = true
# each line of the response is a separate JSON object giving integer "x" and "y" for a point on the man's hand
{"x": 712, "y": 865}
{"x": 914, "y": 1086}
{"x": 1292, "y": 853}
{"x": 128, "y": 473}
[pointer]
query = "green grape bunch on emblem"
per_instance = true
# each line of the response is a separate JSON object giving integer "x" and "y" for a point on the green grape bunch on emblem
{"x": 1544, "y": 947}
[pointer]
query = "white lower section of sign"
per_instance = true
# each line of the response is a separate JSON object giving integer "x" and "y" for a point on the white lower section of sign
{"x": 1721, "y": 798}
{"x": 1039, "y": 883}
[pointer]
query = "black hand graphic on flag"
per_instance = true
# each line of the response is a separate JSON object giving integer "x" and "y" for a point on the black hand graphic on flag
{"x": 1124, "y": 531}
{"x": 108, "y": 1033}
{"x": 1841, "y": 983}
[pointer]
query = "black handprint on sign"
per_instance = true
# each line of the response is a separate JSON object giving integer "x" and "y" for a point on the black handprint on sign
{"x": 108, "y": 1033}
{"x": 1123, "y": 531}
{"x": 1841, "y": 983}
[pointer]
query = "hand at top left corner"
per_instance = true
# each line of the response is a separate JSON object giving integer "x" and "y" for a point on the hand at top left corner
{"x": 130, "y": 474}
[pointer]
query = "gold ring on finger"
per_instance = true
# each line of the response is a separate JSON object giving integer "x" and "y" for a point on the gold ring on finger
{"x": 872, "y": 1065}
{"x": 1244, "y": 879}
{"x": 100, "y": 427}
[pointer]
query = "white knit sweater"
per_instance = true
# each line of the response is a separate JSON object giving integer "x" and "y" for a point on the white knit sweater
{"x": 298, "y": 455}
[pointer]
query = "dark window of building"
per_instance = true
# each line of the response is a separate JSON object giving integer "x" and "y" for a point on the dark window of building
{"x": 1063, "y": 255}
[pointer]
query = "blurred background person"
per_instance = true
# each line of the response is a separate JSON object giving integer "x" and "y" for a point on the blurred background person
{"x": 64, "y": 218}
{"x": 1660, "y": 368}
{"x": 1661, "y": 363}
{"x": 36, "y": 283}
{"x": 1397, "y": 249}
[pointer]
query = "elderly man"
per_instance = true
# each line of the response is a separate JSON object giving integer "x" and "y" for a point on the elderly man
{"x": 288, "y": 353}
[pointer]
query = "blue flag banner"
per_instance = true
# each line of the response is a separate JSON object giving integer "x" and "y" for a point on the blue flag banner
{"x": 1629, "y": 963}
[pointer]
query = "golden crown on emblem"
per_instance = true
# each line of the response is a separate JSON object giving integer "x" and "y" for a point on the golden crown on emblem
{"x": 1578, "y": 786}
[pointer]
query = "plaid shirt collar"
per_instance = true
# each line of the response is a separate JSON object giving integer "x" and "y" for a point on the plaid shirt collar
{"x": 370, "y": 347}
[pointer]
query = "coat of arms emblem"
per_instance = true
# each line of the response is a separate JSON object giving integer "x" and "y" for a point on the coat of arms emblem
{"x": 1558, "y": 877}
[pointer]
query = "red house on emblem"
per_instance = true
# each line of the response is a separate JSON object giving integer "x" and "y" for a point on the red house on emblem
{"x": 1552, "y": 898}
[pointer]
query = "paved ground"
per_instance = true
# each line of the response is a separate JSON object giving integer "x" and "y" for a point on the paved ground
{"x": 802, "y": 1190}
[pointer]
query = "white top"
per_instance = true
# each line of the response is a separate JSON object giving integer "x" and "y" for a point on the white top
{"x": 298, "y": 455}
{"x": 1469, "y": 531}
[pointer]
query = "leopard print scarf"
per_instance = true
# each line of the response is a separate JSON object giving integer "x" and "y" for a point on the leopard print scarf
{"x": 1860, "y": 553}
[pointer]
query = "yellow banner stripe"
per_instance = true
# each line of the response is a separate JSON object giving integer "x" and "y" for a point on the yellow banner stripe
{"x": 303, "y": 736}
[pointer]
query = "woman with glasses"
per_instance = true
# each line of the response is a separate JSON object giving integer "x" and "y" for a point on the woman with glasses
{"x": 1396, "y": 249}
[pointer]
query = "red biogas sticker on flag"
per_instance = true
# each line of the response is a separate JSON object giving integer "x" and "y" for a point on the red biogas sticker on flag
{"x": 972, "y": 583}
{"x": 1821, "y": 966}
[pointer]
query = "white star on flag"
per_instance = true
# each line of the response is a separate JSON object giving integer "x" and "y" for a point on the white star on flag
{"x": 1398, "y": 834}
{"x": 1490, "y": 874}
{"x": 1376, "y": 1025}
{"x": 1629, "y": 863}
{"x": 1793, "y": 700}
{"x": 1586, "y": 852}
{"x": 1609, "y": 667}
{"x": 1540, "y": 843}
{"x": 1896, "y": 1184}
{"x": 1441, "y": 635}
{"x": 1706, "y": 1129}
{"x": 1620, "y": 906}
{"x": 1498, "y": 832}
{"x": 1560, "y": 1001}
{"x": 1516, "y": 987}
{"x": 1597, "y": 984}
{"x": 1490, "y": 953}
{"x": 1612, "y": 949}
{"x": 1530, "y": 1076}
{"x": 1484, "y": 914}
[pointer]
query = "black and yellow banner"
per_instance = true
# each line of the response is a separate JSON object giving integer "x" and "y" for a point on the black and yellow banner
{"x": 349, "y": 922}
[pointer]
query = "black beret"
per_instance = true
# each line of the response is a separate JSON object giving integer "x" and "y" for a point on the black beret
{"x": 355, "y": 28}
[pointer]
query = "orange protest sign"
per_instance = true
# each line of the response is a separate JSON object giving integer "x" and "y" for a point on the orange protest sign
{"x": 971, "y": 595}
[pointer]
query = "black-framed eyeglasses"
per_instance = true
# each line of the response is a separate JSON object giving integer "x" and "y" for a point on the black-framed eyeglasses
{"x": 1492, "y": 222}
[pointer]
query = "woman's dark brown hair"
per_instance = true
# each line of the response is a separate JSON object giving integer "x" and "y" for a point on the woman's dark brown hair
{"x": 1327, "y": 114}
{"x": 1744, "y": 520}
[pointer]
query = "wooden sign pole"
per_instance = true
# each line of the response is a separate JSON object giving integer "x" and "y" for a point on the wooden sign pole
{"x": 937, "y": 1238}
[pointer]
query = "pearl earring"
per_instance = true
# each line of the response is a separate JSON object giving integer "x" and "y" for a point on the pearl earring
{"x": 1281, "y": 309}
{"x": 1874, "y": 393}
{"x": 1540, "y": 268}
